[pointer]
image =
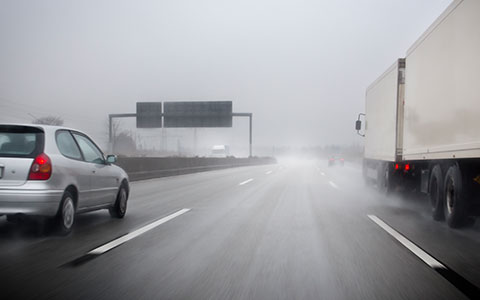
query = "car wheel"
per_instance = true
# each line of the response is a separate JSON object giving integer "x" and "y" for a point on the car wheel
{"x": 66, "y": 214}
{"x": 455, "y": 204}
{"x": 436, "y": 193}
{"x": 119, "y": 209}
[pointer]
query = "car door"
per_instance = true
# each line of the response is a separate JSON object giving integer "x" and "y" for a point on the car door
{"x": 103, "y": 181}
{"x": 75, "y": 166}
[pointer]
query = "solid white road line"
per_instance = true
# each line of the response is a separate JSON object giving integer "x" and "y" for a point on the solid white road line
{"x": 429, "y": 260}
{"x": 333, "y": 184}
{"x": 134, "y": 234}
{"x": 246, "y": 181}
{"x": 268, "y": 172}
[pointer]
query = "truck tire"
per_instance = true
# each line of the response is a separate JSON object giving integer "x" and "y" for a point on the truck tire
{"x": 455, "y": 196}
{"x": 436, "y": 193}
{"x": 384, "y": 179}
{"x": 366, "y": 180}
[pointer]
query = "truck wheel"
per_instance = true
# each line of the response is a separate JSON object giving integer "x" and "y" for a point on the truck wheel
{"x": 366, "y": 180}
{"x": 436, "y": 193}
{"x": 119, "y": 209}
{"x": 455, "y": 204}
{"x": 384, "y": 179}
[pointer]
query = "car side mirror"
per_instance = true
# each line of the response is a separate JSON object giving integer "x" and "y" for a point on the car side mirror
{"x": 111, "y": 159}
{"x": 358, "y": 125}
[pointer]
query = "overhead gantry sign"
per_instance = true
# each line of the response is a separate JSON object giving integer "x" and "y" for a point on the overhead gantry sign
{"x": 184, "y": 114}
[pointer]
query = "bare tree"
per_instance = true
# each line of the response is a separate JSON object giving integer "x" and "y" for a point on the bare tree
{"x": 114, "y": 130}
{"x": 122, "y": 141}
{"x": 124, "y": 144}
{"x": 49, "y": 120}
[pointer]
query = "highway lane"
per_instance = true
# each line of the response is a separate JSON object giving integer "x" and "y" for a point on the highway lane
{"x": 290, "y": 231}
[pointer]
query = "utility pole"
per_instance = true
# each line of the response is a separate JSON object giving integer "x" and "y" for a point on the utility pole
{"x": 195, "y": 140}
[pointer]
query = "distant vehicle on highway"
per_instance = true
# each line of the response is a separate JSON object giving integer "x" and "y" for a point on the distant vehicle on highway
{"x": 220, "y": 151}
{"x": 336, "y": 160}
{"x": 57, "y": 172}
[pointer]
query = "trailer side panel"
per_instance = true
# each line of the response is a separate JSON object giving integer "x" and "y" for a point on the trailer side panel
{"x": 381, "y": 126}
{"x": 442, "y": 96}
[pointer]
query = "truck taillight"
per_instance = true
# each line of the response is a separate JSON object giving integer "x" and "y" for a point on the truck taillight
{"x": 41, "y": 168}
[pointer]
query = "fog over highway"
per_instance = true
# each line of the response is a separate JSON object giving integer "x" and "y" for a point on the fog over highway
{"x": 206, "y": 149}
{"x": 300, "y": 67}
{"x": 296, "y": 230}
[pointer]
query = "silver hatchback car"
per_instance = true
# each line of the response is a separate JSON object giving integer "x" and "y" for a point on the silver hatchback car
{"x": 57, "y": 172}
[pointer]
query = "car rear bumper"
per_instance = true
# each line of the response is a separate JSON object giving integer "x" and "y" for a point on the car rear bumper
{"x": 30, "y": 202}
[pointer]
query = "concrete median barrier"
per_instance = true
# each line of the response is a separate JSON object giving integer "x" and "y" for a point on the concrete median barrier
{"x": 139, "y": 168}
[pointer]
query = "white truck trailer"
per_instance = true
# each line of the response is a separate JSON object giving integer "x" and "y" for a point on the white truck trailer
{"x": 422, "y": 117}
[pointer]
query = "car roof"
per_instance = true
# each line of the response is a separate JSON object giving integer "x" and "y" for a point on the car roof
{"x": 46, "y": 128}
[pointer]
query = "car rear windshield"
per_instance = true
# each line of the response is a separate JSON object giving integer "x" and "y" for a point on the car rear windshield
{"x": 20, "y": 141}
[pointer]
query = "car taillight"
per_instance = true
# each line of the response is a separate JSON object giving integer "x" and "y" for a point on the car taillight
{"x": 407, "y": 167}
{"x": 41, "y": 168}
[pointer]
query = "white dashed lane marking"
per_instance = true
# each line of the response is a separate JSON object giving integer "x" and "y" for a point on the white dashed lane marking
{"x": 246, "y": 181}
{"x": 333, "y": 184}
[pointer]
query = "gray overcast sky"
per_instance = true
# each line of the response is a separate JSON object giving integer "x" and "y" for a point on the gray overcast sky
{"x": 301, "y": 67}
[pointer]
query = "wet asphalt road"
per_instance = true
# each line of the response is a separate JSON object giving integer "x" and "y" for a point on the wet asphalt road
{"x": 289, "y": 231}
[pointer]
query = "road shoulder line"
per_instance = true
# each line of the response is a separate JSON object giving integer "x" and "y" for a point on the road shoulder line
{"x": 428, "y": 259}
{"x": 463, "y": 285}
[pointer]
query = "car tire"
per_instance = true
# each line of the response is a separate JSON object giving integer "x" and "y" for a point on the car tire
{"x": 436, "y": 193}
{"x": 455, "y": 198}
{"x": 119, "y": 209}
{"x": 66, "y": 214}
